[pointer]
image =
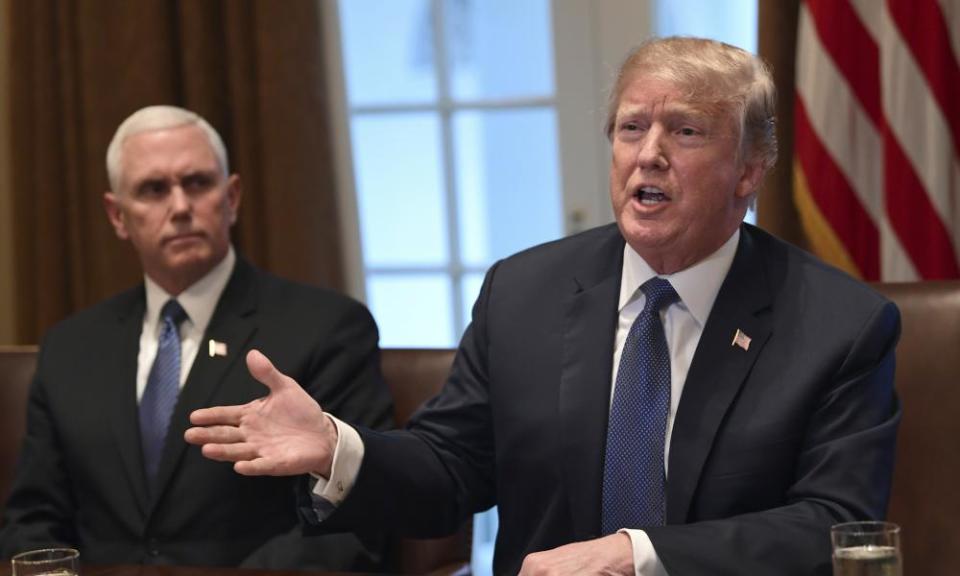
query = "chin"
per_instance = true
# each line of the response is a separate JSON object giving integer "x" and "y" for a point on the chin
{"x": 646, "y": 233}
{"x": 193, "y": 261}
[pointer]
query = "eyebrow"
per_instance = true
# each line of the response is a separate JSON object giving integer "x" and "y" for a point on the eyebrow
{"x": 670, "y": 112}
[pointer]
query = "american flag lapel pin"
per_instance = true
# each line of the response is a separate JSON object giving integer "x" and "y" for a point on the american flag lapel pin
{"x": 740, "y": 339}
{"x": 217, "y": 348}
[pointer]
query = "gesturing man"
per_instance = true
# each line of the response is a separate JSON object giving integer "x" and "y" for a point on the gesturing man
{"x": 676, "y": 393}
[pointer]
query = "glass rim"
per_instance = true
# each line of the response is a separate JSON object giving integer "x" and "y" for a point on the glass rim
{"x": 64, "y": 554}
{"x": 864, "y": 527}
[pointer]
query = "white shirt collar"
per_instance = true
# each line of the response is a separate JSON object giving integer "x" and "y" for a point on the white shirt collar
{"x": 697, "y": 285}
{"x": 199, "y": 300}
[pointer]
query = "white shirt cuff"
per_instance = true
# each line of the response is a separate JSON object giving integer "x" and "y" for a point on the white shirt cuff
{"x": 645, "y": 559}
{"x": 347, "y": 457}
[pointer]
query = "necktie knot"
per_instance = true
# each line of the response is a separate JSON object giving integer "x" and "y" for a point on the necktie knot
{"x": 659, "y": 293}
{"x": 173, "y": 312}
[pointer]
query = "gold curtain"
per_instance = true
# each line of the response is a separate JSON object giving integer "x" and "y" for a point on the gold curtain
{"x": 253, "y": 68}
{"x": 777, "y": 41}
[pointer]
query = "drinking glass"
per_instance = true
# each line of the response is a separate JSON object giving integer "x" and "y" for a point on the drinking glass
{"x": 47, "y": 562}
{"x": 866, "y": 549}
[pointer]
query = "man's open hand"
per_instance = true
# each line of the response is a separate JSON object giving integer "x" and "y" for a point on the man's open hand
{"x": 282, "y": 434}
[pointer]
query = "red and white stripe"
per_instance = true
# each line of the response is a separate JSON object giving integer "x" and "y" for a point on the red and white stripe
{"x": 877, "y": 146}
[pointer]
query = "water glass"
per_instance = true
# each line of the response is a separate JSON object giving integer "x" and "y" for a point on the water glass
{"x": 47, "y": 562}
{"x": 866, "y": 549}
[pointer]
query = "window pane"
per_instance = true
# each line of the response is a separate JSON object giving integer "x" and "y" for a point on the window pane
{"x": 499, "y": 48}
{"x": 733, "y": 21}
{"x": 508, "y": 181}
{"x": 400, "y": 188}
{"x": 485, "y": 526}
{"x": 470, "y": 289}
{"x": 388, "y": 51}
{"x": 412, "y": 310}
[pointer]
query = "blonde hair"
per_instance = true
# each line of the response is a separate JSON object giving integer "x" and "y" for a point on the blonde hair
{"x": 158, "y": 118}
{"x": 711, "y": 73}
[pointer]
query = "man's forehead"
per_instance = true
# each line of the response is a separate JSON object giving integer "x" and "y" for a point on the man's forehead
{"x": 177, "y": 148}
{"x": 165, "y": 153}
{"x": 652, "y": 93}
{"x": 669, "y": 108}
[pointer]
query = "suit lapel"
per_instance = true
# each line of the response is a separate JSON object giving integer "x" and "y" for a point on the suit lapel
{"x": 584, "y": 402}
{"x": 233, "y": 323}
{"x": 121, "y": 391}
{"x": 717, "y": 372}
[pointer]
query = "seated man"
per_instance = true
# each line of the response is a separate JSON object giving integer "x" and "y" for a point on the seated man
{"x": 677, "y": 393}
{"x": 104, "y": 467}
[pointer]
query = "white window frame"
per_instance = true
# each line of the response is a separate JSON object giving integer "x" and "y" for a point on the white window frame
{"x": 590, "y": 40}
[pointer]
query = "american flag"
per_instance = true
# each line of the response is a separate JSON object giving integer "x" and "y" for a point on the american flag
{"x": 877, "y": 145}
{"x": 740, "y": 339}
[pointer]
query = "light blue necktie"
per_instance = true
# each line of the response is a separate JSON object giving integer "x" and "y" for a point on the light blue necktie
{"x": 634, "y": 481}
{"x": 163, "y": 387}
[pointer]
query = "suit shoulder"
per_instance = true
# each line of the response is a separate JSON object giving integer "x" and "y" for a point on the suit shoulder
{"x": 279, "y": 294}
{"x": 797, "y": 270}
{"x": 99, "y": 316}
{"x": 568, "y": 251}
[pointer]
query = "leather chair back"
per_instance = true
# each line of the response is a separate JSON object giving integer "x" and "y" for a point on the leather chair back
{"x": 415, "y": 375}
{"x": 17, "y": 365}
{"x": 926, "y": 499}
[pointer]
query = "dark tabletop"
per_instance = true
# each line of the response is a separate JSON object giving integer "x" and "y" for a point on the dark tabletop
{"x": 184, "y": 571}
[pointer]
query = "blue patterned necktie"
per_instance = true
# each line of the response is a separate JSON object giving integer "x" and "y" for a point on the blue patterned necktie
{"x": 634, "y": 481}
{"x": 163, "y": 387}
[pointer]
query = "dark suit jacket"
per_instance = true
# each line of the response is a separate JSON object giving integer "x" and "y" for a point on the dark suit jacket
{"x": 771, "y": 445}
{"x": 80, "y": 478}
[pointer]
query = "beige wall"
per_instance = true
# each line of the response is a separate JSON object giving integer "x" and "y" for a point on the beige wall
{"x": 7, "y": 330}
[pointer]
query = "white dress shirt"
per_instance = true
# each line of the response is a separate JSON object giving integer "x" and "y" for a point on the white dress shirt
{"x": 683, "y": 323}
{"x": 198, "y": 301}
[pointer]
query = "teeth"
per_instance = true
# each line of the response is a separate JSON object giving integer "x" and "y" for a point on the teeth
{"x": 650, "y": 195}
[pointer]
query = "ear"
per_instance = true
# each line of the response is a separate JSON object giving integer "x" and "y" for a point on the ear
{"x": 234, "y": 193}
{"x": 111, "y": 205}
{"x": 751, "y": 178}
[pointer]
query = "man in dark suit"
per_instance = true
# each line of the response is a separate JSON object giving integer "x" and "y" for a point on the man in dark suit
{"x": 679, "y": 393}
{"x": 104, "y": 466}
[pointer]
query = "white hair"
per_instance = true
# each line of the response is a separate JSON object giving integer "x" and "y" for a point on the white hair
{"x": 158, "y": 118}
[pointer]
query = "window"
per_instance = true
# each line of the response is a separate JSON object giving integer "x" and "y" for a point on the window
{"x": 454, "y": 142}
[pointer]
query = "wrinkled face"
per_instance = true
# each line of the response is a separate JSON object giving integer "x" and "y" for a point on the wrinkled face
{"x": 678, "y": 182}
{"x": 174, "y": 204}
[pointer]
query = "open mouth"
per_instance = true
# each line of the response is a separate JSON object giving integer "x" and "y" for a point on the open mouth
{"x": 650, "y": 195}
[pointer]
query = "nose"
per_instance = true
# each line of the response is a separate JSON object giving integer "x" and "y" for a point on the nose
{"x": 179, "y": 200}
{"x": 651, "y": 155}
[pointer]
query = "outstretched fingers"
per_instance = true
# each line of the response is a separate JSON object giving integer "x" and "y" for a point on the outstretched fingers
{"x": 217, "y": 416}
{"x": 239, "y": 452}
{"x": 266, "y": 373}
{"x": 214, "y": 435}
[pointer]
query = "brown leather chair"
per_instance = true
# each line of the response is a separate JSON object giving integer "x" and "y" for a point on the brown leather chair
{"x": 415, "y": 375}
{"x": 926, "y": 482}
{"x": 17, "y": 365}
